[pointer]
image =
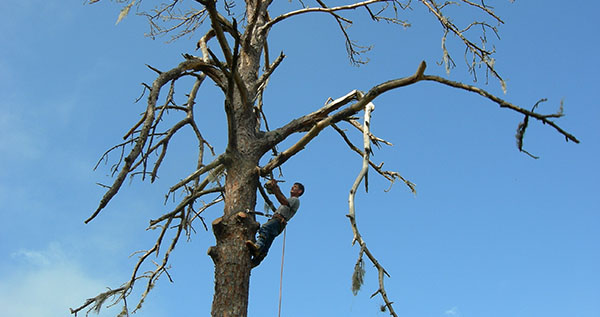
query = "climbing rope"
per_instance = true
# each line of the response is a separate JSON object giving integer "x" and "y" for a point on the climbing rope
{"x": 272, "y": 207}
{"x": 281, "y": 273}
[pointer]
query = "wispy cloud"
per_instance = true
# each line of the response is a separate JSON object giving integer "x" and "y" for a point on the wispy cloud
{"x": 44, "y": 283}
{"x": 452, "y": 312}
{"x": 32, "y": 257}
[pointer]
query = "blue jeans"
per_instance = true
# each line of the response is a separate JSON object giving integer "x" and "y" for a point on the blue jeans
{"x": 266, "y": 234}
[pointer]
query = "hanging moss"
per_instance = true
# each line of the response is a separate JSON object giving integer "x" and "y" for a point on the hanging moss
{"x": 358, "y": 275}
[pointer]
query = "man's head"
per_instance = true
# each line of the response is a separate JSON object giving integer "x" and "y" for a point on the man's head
{"x": 297, "y": 190}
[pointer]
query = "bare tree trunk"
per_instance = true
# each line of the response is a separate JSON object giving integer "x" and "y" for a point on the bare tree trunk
{"x": 232, "y": 265}
{"x": 232, "y": 271}
{"x": 230, "y": 255}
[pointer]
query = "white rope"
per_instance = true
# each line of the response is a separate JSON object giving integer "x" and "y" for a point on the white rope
{"x": 281, "y": 273}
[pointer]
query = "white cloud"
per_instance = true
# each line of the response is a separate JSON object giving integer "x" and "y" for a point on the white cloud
{"x": 44, "y": 283}
{"x": 32, "y": 257}
{"x": 452, "y": 312}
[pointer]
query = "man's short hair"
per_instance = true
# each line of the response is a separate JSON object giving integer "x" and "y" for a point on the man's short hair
{"x": 301, "y": 187}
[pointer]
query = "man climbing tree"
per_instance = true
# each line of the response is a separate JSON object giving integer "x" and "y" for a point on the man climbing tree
{"x": 272, "y": 228}
{"x": 232, "y": 44}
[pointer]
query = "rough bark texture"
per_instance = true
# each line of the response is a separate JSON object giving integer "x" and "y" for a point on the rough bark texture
{"x": 232, "y": 264}
{"x": 230, "y": 255}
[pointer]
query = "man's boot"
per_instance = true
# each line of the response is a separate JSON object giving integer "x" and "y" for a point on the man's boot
{"x": 257, "y": 259}
{"x": 253, "y": 247}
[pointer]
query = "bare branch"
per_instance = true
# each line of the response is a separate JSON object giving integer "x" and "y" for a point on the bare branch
{"x": 352, "y": 211}
{"x": 218, "y": 162}
{"x": 354, "y": 50}
{"x": 185, "y": 23}
{"x": 504, "y": 104}
{"x": 320, "y": 119}
{"x": 216, "y": 22}
{"x": 98, "y": 301}
{"x": 485, "y": 8}
{"x": 105, "y": 155}
{"x": 164, "y": 142}
{"x": 523, "y": 127}
{"x": 135, "y": 126}
{"x": 262, "y": 81}
{"x": 479, "y": 52}
{"x": 375, "y": 140}
{"x": 188, "y": 200}
{"x": 121, "y": 293}
{"x": 317, "y": 127}
{"x": 206, "y": 206}
{"x": 162, "y": 79}
{"x": 325, "y": 10}
{"x": 202, "y": 44}
{"x": 154, "y": 275}
{"x": 389, "y": 175}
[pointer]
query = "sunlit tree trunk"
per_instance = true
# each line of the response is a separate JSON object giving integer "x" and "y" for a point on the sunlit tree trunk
{"x": 230, "y": 255}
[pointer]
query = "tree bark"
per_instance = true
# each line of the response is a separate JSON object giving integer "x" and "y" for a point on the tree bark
{"x": 232, "y": 264}
{"x": 244, "y": 150}
{"x": 230, "y": 255}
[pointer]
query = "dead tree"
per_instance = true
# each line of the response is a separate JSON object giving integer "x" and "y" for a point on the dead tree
{"x": 234, "y": 55}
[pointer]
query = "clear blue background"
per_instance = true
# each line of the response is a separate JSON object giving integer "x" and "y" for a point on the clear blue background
{"x": 490, "y": 233}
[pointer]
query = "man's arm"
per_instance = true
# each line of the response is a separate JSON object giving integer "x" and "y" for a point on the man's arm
{"x": 278, "y": 194}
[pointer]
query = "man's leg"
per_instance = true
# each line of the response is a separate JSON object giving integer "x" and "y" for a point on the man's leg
{"x": 256, "y": 260}
{"x": 266, "y": 235}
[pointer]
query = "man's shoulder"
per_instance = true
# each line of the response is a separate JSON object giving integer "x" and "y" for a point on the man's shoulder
{"x": 294, "y": 202}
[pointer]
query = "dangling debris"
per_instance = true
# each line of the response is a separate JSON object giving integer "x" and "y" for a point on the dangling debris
{"x": 358, "y": 275}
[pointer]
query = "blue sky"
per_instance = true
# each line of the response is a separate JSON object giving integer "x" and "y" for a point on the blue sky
{"x": 490, "y": 233}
